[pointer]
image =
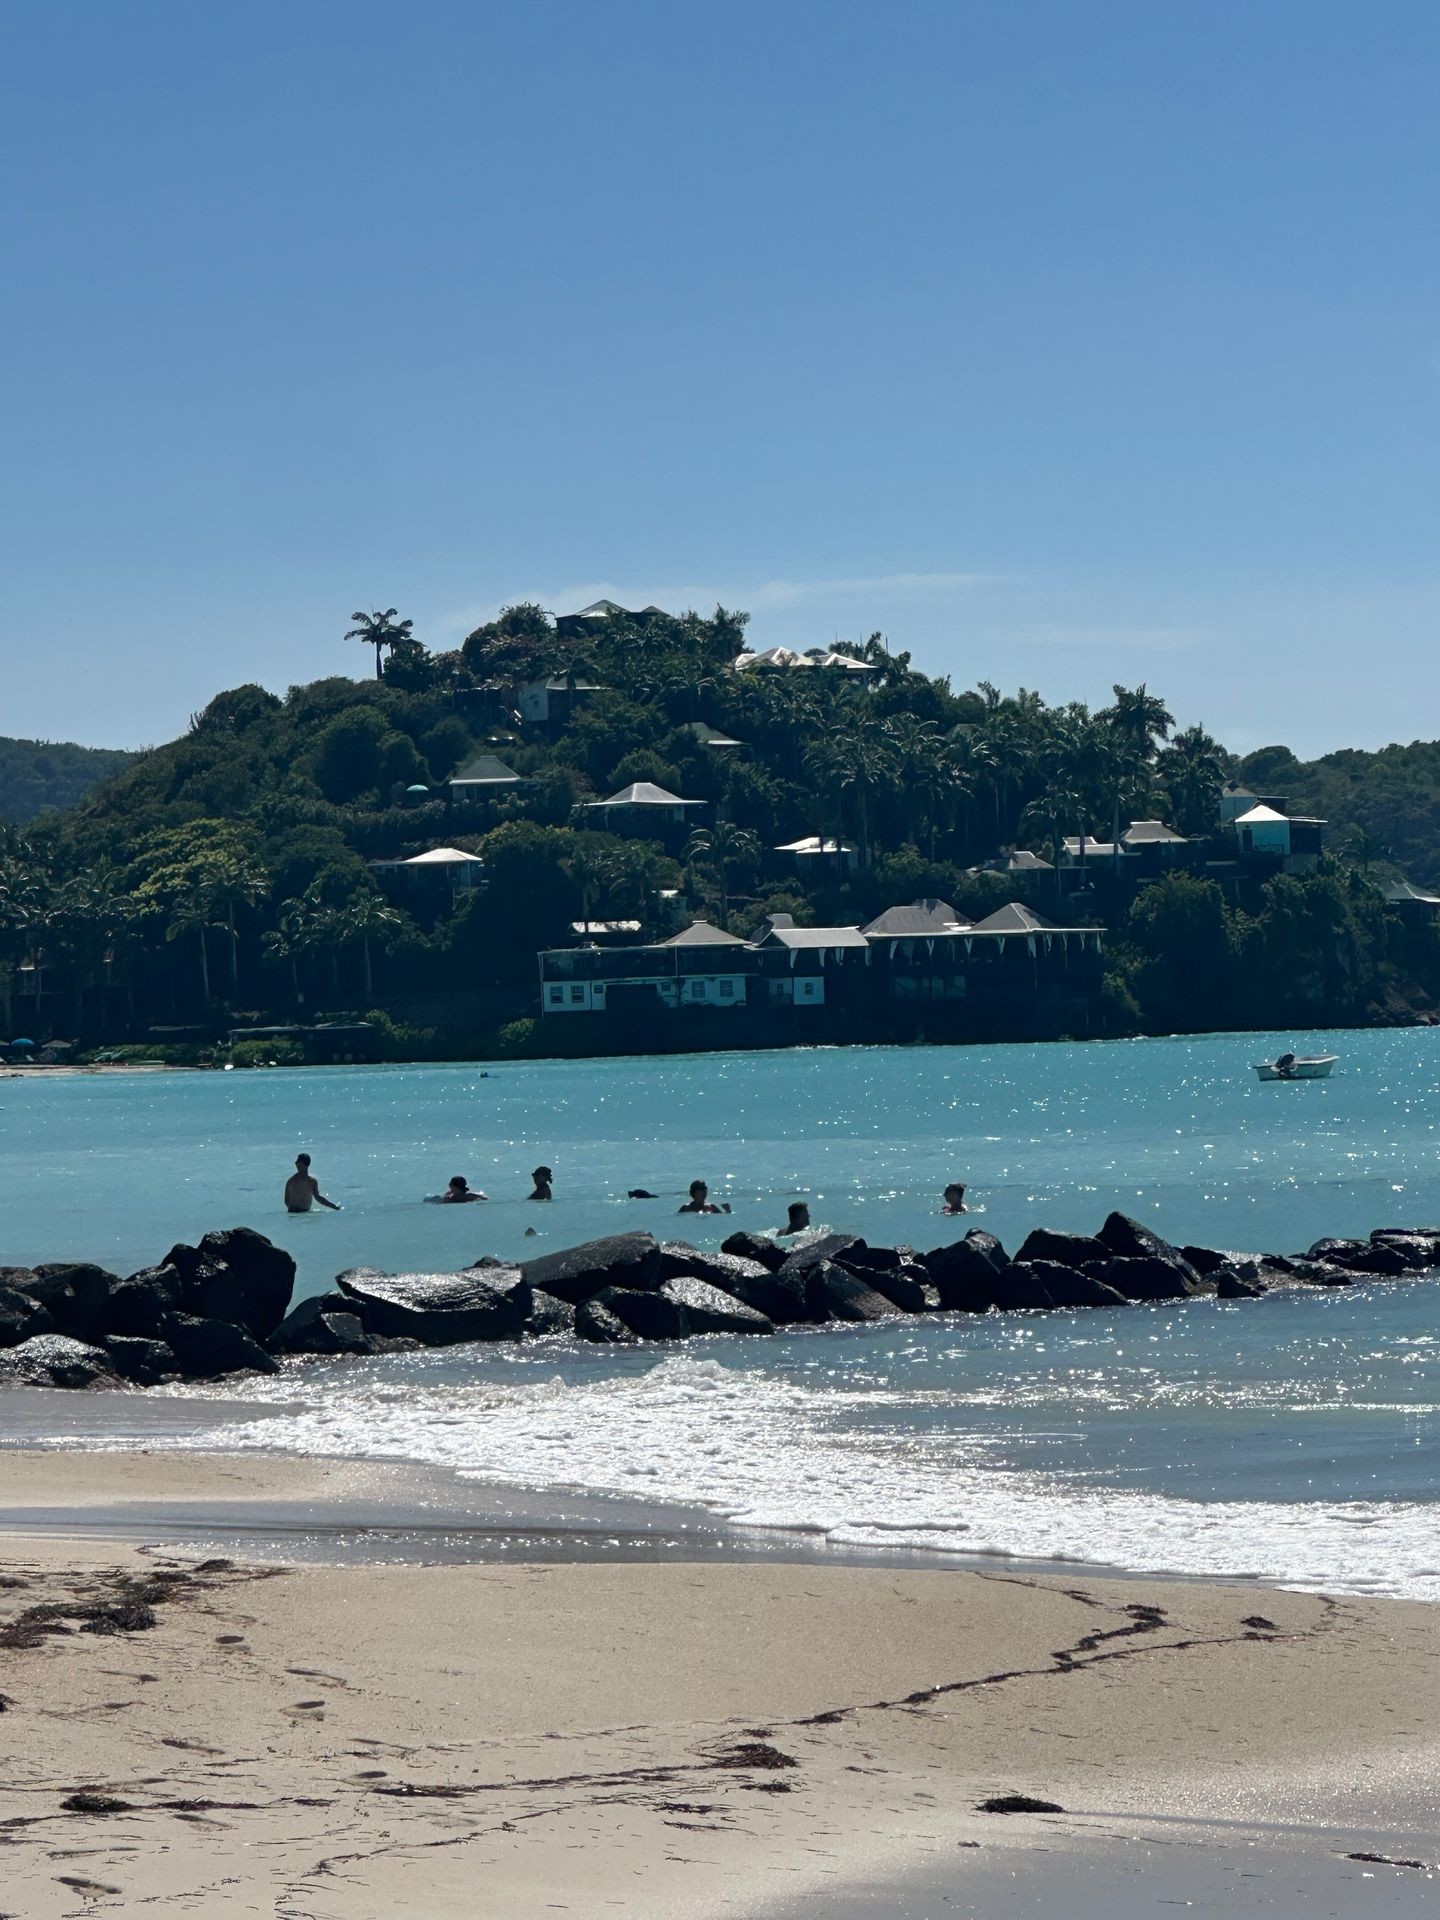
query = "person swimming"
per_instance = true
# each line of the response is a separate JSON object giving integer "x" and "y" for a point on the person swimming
{"x": 798, "y": 1222}
{"x": 459, "y": 1191}
{"x": 542, "y": 1177}
{"x": 700, "y": 1201}
{"x": 302, "y": 1189}
{"x": 955, "y": 1197}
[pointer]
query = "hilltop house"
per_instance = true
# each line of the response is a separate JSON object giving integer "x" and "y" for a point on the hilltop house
{"x": 484, "y": 777}
{"x": 786, "y": 659}
{"x": 436, "y": 869}
{"x": 644, "y": 809}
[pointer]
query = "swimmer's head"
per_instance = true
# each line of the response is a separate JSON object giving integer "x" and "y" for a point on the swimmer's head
{"x": 459, "y": 1184}
{"x": 302, "y": 1160}
{"x": 799, "y": 1214}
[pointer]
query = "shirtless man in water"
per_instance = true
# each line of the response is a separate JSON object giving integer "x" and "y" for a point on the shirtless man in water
{"x": 302, "y": 1189}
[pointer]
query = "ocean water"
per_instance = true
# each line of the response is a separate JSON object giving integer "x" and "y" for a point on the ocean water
{"x": 1294, "y": 1438}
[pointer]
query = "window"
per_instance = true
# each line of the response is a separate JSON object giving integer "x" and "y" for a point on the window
{"x": 577, "y": 996}
{"x": 697, "y": 989}
{"x": 727, "y": 989}
{"x": 557, "y": 996}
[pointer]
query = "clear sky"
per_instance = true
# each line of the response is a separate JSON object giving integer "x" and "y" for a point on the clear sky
{"x": 1065, "y": 341}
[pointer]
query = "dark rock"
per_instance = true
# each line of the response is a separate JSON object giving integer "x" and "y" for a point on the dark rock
{"x": 76, "y": 1293}
{"x": 437, "y": 1309}
{"x": 138, "y": 1305}
{"x": 549, "y": 1315}
{"x": 723, "y": 1270}
{"x": 205, "y": 1349}
{"x": 1418, "y": 1248}
{"x": 904, "y": 1285}
{"x": 782, "y": 1296}
{"x": 860, "y": 1257}
{"x": 263, "y": 1272}
{"x": 144, "y": 1363}
{"x": 1317, "y": 1273}
{"x": 1208, "y": 1260}
{"x": 55, "y": 1360}
{"x": 807, "y": 1254}
{"x": 647, "y": 1315}
{"x": 707, "y": 1309}
{"x": 1360, "y": 1256}
{"x": 933, "y": 1302}
{"x": 595, "y": 1321}
{"x": 630, "y": 1260}
{"x": 1149, "y": 1278}
{"x": 756, "y": 1246}
{"x": 967, "y": 1273}
{"x": 327, "y": 1323}
{"x": 833, "y": 1294}
{"x": 1074, "y": 1250}
{"x": 1132, "y": 1240}
{"x": 1230, "y": 1284}
{"x": 22, "y": 1317}
{"x": 1049, "y": 1283}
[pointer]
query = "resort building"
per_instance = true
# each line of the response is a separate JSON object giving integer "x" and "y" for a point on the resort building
{"x": 785, "y": 659}
{"x": 483, "y": 777}
{"x": 643, "y": 808}
{"x": 1014, "y": 970}
{"x": 440, "y": 867}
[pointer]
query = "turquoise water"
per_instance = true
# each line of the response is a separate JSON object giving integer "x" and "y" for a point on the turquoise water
{"x": 1178, "y": 1132}
{"x": 1295, "y": 1438}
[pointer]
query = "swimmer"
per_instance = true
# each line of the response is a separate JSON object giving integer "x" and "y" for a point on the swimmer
{"x": 459, "y": 1191}
{"x": 302, "y": 1189}
{"x": 955, "y": 1198}
{"x": 542, "y": 1177}
{"x": 641, "y": 1193}
{"x": 798, "y": 1222}
{"x": 700, "y": 1201}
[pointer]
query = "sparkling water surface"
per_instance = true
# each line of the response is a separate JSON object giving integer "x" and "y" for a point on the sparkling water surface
{"x": 1293, "y": 1438}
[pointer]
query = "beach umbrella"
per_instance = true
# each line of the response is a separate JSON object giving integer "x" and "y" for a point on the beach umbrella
{"x": 22, "y": 1043}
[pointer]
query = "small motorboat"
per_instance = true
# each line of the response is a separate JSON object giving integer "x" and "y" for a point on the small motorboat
{"x": 1297, "y": 1066}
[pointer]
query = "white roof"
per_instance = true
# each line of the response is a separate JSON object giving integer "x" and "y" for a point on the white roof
{"x": 806, "y": 938}
{"x": 1261, "y": 816}
{"x": 702, "y": 934}
{"x": 814, "y": 844}
{"x": 644, "y": 793}
{"x": 437, "y": 857}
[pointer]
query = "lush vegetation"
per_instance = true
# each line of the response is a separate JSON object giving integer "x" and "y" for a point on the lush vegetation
{"x": 227, "y": 875}
{"x": 39, "y": 775}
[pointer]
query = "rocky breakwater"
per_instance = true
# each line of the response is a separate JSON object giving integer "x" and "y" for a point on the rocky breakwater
{"x": 223, "y": 1307}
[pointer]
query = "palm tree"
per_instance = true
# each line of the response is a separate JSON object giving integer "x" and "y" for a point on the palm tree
{"x": 368, "y": 918}
{"x": 235, "y": 879}
{"x": 593, "y": 872}
{"x": 1194, "y": 768}
{"x": 380, "y": 630}
{"x": 720, "y": 847}
{"x": 194, "y": 912}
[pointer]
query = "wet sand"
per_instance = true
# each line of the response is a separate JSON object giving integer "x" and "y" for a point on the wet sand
{"x": 670, "y": 1736}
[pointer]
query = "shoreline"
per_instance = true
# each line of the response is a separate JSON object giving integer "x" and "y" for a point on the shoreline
{"x": 663, "y": 1735}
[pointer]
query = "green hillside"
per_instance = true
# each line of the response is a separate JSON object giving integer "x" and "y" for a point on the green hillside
{"x": 39, "y": 775}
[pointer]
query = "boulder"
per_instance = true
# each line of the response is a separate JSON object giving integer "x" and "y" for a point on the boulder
{"x": 647, "y": 1315}
{"x": 967, "y": 1273}
{"x": 549, "y": 1315}
{"x": 1075, "y": 1250}
{"x": 137, "y": 1305}
{"x": 22, "y": 1317}
{"x": 756, "y": 1246}
{"x": 1048, "y": 1283}
{"x": 438, "y": 1309}
{"x": 630, "y": 1260}
{"x": 1149, "y": 1278}
{"x": 76, "y": 1293}
{"x": 1417, "y": 1247}
{"x": 1318, "y": 1273}
{"x": 782, "y": 1297}
{"x": 905, "y": 1285}
{"x": 707, "y": 1309}
{"x": 833, "y": 1294}
{"x": 326, "y": 1323}
{"x": 723, "y": 1270}
{"x": 1360, "y": 1256}
{"x": 595, "y": 1321}
{"x": 144, "y": 1363}
{"x": 205, "y": 1349}
{"x": 263, "y": 1275}
{"x": 1132, "y": 1240}
{"x": 55, "y": 1360}
{"x": 1208, "y": 1260}
{"x": 807, "y": 1254}
{"x": 1233, "y": 1284}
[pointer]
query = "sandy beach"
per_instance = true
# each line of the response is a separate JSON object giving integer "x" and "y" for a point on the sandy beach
{"x": 196, "y": 1734}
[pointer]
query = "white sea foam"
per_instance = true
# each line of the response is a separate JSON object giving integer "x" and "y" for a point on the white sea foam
{"x": 768, "y": 1452}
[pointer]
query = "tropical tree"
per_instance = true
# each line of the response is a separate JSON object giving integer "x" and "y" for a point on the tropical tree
{"x": 720, "y": 847}
{"x": 380, "y": 630}
{"x": 1194, "y": 768}
{"x": 369, "y": 920}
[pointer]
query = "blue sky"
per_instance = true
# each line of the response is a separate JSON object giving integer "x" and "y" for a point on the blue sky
{"x": 1065, "y": 343}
